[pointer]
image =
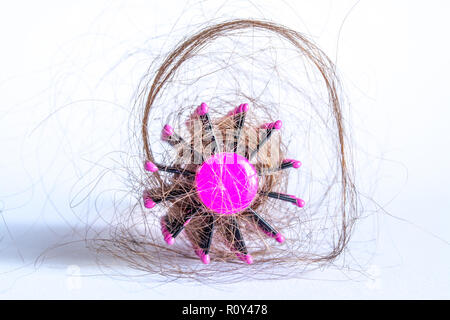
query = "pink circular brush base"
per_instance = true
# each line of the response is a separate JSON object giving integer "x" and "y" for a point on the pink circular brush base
{"x": 226, "y": 183}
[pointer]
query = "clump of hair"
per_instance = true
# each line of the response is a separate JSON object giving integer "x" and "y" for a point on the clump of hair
{"x": 280, "y": 74}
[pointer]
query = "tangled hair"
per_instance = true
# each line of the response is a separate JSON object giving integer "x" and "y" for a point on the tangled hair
{"x": 281, "y": 75}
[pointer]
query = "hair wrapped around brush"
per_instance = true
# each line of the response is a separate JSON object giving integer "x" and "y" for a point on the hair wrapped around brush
{"x": 227, "y": 117}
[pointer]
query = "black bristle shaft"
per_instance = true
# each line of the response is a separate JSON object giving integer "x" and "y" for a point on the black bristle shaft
{"x": 266, "y": 136}
{"x": 171, "y": 169}
{"x": 208, "y": 127}
{"x": 206, "y": 233}
{"x": 235, "y": 237}
{"x": 172, "y": 195}
{"x": 176, "y": 226}
{"x": 280, "y": 196}
{"x": 239, "y": 121}
{"x": 262, "y": 224}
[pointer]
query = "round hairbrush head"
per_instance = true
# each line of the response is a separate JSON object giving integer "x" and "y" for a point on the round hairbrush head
{"x": 223, "y": 184}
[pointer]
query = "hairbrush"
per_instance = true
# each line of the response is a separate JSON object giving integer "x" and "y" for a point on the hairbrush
{"x": 224, "y": 183}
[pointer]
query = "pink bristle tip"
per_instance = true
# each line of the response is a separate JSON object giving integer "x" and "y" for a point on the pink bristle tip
{"x": 239, "y": 109}
{"x": 295, "y": 163}
{"x": 300, "y": 203}
{"x": 167, "y": 131}
{"x": 150, "y": 166}
{"x": 203, "y": 257}
{"x": 278, "y": 124}
{"x": 169, "y": 240}
{"x": 245, "y": 257}
{"x": 280, "y": 238}
{"x": 148, "y": 202}
{"x": 166, "y": 234}
{"x": 243, "y": 108}
{"x": 272, "y": 125}
{"x": 202, "y": 109}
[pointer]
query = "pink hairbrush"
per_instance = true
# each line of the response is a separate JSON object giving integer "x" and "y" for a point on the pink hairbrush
{"x": 225, "y": 183}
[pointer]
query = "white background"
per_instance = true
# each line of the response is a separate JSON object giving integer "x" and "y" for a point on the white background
{"x": 394, "y": 57}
